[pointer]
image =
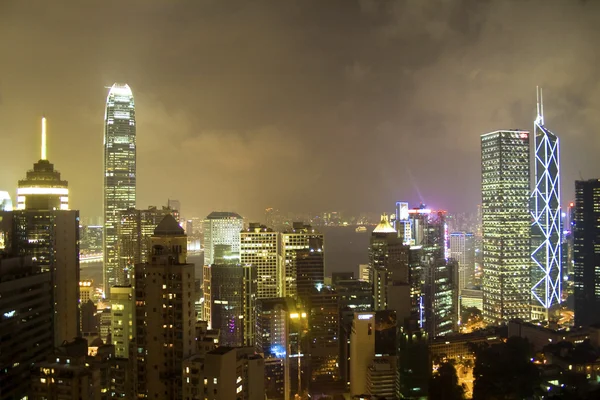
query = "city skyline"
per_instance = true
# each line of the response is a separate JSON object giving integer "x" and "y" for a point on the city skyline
{"x": 362, "y": 115}
{"x": 219, "y": 238}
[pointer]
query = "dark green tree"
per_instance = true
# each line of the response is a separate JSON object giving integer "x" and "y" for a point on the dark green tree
{"x": 444, "y": 384}
{"x": 505, "y": 371}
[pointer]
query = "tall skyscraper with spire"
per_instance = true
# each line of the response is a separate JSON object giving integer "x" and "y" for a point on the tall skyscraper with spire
{"x": 545, "y": 211}
{"x": 119, "y": 174}
{"x": 42, "y": 188}
{"x": 44, "y": 228}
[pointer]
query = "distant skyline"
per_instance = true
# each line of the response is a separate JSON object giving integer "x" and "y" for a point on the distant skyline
{"x": 303, "y": 106}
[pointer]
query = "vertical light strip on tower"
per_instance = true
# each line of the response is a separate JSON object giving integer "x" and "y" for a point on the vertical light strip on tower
{"x": 546, "y": 243}
{"x": 43, "y": 138}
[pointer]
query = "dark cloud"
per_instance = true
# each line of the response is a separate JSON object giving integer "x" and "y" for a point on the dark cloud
{"x": 296, "y": 104}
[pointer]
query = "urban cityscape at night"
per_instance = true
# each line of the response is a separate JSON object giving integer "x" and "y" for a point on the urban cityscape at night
{"x": 299, "y": 200}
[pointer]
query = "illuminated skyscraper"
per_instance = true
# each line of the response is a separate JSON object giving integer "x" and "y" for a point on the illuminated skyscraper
{"x": 462, "y": 249}
{"x": 388, "y": 261}
{"x": 290, "y": 242}
{"x": 402, "y": 222}
{"x": 506, "y": 226}
{"x": 222, "y": 228}
{"x": 259, "y": 247}
{"x": 586, "y": 252}
{"x": 43, "y": 189}
{"x": 134, "y": 231}
{"x": 43, "y": 227}
{"x": 119, "y": 174}
{"x": 546, "y": 229}
{"x": 310, "y": 269}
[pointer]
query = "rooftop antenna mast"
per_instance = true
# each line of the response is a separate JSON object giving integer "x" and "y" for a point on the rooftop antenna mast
{"x": 540, "y": 106}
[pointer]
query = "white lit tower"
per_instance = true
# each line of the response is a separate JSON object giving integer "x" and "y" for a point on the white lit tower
{"x": 119, "y": 174}
{"x": 545, "y": 212}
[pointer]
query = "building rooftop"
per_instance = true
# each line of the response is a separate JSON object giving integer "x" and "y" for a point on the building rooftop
{"x": 384, "y": 225}
{"x": 222, "y": 350}
{"x": 223, "y": 215}
{"x": 168, "y": 226}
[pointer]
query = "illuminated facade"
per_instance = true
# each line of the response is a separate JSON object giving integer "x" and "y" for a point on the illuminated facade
{"x": 43, "y": 227}
{"x": 462, "y": 249}
{"x": 43, "y": 189}
{"x": 388, "y": 262}
{"x": 506, "y": 226}
{"x": 323, "y": 345}
{"x": 259, "y": 248}
{"x": 280, "y": 331}
{"x": 546, "y": 246}
{"x": 222, "y": 228}
{"x": 402, "y": 222}
{"x": 121, "y": 300}
{"x": 225, "y": 373}
{"x": 5, "y": 201}
{"x": 362, "y": 351}
{"x": 586, "y": 252}
{"x": 133, "y": 231}
{"x": 310, "y": 269}
{"x": 119, "y": 174}
{"x": 290, "y": 242}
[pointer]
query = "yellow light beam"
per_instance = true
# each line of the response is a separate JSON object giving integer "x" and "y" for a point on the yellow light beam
{"x": 43, "y": 138}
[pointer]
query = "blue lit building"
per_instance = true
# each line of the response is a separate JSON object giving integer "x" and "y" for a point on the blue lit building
{"x": 546, "y": 245}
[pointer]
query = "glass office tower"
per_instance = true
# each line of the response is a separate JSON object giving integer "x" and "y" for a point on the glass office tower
{"x": 506, "y": 226}
{"x": 119, "y": 174}
{"x": 545, "y": 211}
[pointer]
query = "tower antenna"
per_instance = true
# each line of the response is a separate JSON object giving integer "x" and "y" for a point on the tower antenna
{"x": 541, "y": 106}
{"x": 43, "y": 138}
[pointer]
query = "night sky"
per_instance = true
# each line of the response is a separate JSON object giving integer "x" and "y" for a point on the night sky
{"x": 303, "y": 105}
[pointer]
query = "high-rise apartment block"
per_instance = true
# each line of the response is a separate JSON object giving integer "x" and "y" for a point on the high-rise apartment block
{"x": 586, "y": 252}
{"x": 290, "y": 242}
{"x": 462, "y": 249}
{"x": 259, "y": 248}
{"x": 165, "y": 316}
{"x": 25, "y": 322}
{"x": 546, "y": 232}
{"x": 123, "y": 319}
{"x": 226, "y": 373}
{"x": 222, "y": 228}
{"x": 506, "y": 226}
{"x": 119, "y": 174}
